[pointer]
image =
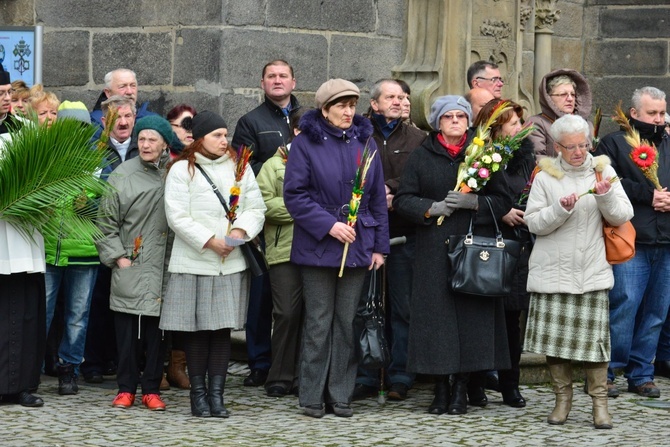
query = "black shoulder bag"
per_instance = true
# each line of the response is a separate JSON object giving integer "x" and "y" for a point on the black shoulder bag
{"x": 373, "y": 350}
{"x": 252, "y": 251}
{"x": 480, "y": 265}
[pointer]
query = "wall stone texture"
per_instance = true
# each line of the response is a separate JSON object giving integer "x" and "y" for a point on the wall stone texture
{"x": 210, "y": 53}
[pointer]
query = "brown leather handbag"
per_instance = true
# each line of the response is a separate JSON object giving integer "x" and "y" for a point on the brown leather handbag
{"x": 619, "y": 241}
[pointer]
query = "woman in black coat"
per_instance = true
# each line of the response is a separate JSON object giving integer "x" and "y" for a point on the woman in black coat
{"x": 449, "y": 333}
{"x": 517, "y": 174}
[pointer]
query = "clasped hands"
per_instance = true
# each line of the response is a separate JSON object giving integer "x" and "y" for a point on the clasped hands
{"x": 220, "y": 247}
{"x": 454, "y": 200}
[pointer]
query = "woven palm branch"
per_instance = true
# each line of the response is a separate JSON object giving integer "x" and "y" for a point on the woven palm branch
{"x": 47, "y": 176}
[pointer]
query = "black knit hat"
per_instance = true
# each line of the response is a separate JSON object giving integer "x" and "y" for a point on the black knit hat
{"x": 205, "y": 122}
{"x": 4, "y": 77}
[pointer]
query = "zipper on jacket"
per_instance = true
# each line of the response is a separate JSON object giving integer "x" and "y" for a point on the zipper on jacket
{"x": 58, "y": 244}
{"x": 277, "y": 233}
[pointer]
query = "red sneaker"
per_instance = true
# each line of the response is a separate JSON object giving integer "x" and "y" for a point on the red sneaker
{"x": 123, "y": 400}
{"x": 153, "y": 402}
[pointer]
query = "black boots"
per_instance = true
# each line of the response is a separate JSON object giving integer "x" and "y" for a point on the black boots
{"x": 67, "y": 381}
{"x": 199, "y": 404}
{"x": 215, "y": 397}
{"x": 441, "y": 399}
{"x": 458, "y": 403}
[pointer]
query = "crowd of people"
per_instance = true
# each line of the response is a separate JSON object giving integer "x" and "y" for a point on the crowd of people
{"x": 326, "y": 190}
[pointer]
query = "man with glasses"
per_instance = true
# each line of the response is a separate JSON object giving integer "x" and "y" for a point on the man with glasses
{"x": 640, "y": 299}
{"x": 486, "y": 75}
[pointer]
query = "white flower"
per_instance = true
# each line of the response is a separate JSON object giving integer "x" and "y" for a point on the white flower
{"x": 472, "y": 183}
{"x": 472, "y": 171}
{"x": 496, "y": 157}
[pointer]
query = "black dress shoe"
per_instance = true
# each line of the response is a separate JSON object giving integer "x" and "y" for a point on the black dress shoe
{"x": 477, "y": 396}
{"x": 662, "y": 368}
{"x": 513, "y": 398}
{"x": 362, "y": 391}
{"x": 93, "y": 378}
{"x": 440, "y": 402}
{"x": 257, "y": 377}
{"x": 276, "y": 391}
{"x": 458, "y": 403}
{"x": 25, "y": 399}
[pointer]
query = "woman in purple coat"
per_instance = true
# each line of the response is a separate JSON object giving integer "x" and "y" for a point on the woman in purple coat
{"x": 317, "y": 189}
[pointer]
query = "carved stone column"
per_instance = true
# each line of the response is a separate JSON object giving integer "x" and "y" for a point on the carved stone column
{"x": 546, "y": 14}
{"x": 442, "y": 39}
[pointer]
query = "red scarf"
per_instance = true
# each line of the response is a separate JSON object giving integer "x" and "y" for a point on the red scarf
{"x": 452, "y": 149}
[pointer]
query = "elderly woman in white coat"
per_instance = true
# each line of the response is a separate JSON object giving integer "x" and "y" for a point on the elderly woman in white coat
{"x": 569, "y": 277}
{"x": 208, "y": 290}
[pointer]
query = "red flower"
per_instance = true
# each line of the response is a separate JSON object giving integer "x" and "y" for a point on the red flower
{"x": 643, "y": 156}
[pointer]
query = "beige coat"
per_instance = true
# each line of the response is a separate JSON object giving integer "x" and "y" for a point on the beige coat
{"x": 569, "y": 253}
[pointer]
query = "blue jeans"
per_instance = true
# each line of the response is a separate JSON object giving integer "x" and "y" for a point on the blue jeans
{"x": 663, "y": 350}
{"x": 639, "y": 305}
{"x": 399, "y": 272}
{"x": 77, "y": 282}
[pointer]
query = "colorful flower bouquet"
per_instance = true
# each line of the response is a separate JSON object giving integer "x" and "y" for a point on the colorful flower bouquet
{"x": 643, "y": 154}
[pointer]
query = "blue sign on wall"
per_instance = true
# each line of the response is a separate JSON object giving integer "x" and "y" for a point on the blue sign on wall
{"x": 18, "y": 53}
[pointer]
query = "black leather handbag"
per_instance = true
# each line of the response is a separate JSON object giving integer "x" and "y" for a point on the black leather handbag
{"x": 373, "y": 350}
{"x": 480, "y": 265}
{"x": 251, "y": 250}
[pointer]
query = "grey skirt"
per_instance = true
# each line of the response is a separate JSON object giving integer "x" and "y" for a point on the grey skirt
{"x": 574, "y": 327}
{"x": 205, "y": 303}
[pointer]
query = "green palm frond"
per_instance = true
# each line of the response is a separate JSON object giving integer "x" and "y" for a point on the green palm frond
{"x": 47, "y": 176}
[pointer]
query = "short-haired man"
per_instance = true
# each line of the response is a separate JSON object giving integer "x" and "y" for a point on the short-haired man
{"x": 396, "y": 141}
{"x": 486, "y": 75}
{"x": 119, "y": 82}
{"x": 478, "y": 97}
{"x": 265, "y": 128}
{"x": 640, "y": 299}
{"x": 7, "y": 120}
{"x": 100, "y": 347}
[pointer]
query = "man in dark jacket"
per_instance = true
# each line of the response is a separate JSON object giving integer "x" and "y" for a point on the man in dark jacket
{"x": 265, "y": 129}
{"x": 119, "y": 82}
{"x": 395, "y": 140}
{"x": 7, "y": 120}
{"x": 640, "y": 298}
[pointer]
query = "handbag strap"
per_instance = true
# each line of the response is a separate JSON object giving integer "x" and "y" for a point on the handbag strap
{"x": 215, "y": 188}
{"x": 499, "y": 239}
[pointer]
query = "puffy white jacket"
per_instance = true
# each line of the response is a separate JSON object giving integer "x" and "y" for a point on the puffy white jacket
{"x": 569, "y": 253}
{"x": 195, "y": 214}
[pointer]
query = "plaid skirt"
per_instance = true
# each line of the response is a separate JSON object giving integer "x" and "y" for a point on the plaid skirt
{"x": 567, "y": 326}
{"x": 205, "y": 303}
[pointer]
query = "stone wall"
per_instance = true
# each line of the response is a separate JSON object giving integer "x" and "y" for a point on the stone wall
{"x": 619, "y": 45}
{"x": 210, "y": 52}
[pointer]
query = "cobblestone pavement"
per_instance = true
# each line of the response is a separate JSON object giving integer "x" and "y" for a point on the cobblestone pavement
{"x": 257, "y": 420}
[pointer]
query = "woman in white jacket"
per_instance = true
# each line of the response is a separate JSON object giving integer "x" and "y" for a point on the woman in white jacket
{"x": 208, "y": 290}
{"x": 569, "y": 277}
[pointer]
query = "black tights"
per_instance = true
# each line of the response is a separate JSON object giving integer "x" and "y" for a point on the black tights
{"x": 207, "y": 352}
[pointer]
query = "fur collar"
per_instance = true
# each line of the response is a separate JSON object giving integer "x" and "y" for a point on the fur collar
{"x": 554, "y": 167}
{"x": 315, "y": 127}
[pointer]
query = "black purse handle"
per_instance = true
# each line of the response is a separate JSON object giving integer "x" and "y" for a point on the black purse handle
{"x": 500, "y": 243}
{"x": 216, "y": 190}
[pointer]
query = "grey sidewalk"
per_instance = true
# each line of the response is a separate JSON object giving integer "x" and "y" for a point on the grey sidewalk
{"x": 257, "y": 420}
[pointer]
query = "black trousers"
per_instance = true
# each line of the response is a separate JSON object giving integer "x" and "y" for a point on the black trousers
{"x": 138, "y": 337}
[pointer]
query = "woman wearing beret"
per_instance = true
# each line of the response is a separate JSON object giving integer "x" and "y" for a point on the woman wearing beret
{"x": 450, "y": 333}
{"x": 134, "y": 247}
{"x": 317, "y": 189}
{"x": 208, "y": 290}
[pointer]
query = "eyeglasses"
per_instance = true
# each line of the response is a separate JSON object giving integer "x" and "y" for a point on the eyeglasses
{"x": 458, "y": 116}
{"x": 565, "y": 95}
{"x": 582, "y": 147}
{"x": 494, "y": 79}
